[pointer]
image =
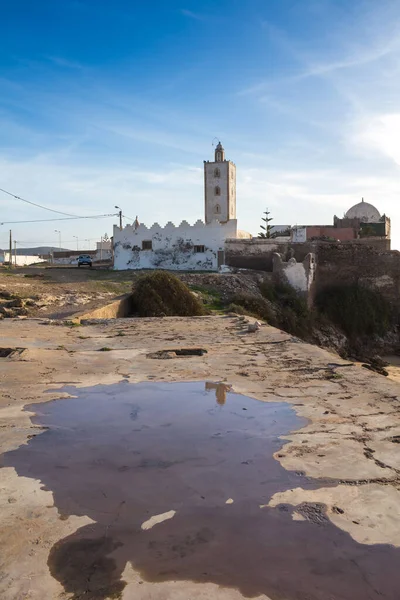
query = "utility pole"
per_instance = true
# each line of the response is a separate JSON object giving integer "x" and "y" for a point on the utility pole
{"x": 15, "y": 253}
{"x": 120, "y": 216}
{"x": 10, "y": 253}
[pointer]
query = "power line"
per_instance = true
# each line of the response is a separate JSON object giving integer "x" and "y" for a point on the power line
{"x": 35, "y": 204}
{"x": 64, "y": 219}
{"x": 52, "y": 242}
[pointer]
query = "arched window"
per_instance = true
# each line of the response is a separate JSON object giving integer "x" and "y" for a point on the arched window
{"x": 217, "y": 190}
{"x": 217, "y": 209}
{"x": 219, "y": 156}
{"x": 217, "y": 173}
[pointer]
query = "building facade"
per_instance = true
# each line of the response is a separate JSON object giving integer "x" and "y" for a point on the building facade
{"x": 361, "y": 222}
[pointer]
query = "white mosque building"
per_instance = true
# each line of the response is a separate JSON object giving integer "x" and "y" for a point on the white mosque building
{"x": 186, "y": 247}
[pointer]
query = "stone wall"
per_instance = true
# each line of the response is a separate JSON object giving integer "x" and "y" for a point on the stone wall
{"x": 187, "y": 247}
{"x": 257, "y": 253}
{"x": 351, "y": 263}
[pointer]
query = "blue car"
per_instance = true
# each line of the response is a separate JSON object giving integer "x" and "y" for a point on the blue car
{"x": 84, "y": 259}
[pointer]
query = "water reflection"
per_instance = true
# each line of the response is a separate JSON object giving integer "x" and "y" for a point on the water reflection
{"x": 125, "y": 455}
{"x": 221, "y": 389}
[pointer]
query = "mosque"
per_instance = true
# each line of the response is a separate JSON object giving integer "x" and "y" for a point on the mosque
{"x": 361, "y": 221}
{"x": 200, "y": 246}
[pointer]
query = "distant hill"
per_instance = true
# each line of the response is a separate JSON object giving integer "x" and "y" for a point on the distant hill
{"x": 36, "y": 251}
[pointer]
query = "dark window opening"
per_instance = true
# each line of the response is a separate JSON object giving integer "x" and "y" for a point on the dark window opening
{"x": 147, "y": 245}
{"x": 199, "y": 249}
{"x": 217, "y": 173}
{"x": 217, "y": 191}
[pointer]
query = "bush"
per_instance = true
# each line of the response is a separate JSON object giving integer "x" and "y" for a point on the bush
{"x": 292, "y": 313}
{"x": 357, "y": 310}
{"x": 254, "y": 306}
{"x": 286, "y": 296}
{"x": 161, "y": 294}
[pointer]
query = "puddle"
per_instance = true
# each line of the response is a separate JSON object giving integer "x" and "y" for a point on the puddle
{"x": 173, "y": 476}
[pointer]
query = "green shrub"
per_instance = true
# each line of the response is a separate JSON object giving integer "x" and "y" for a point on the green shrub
{"x": 160, "y": 294}
{"x": 254, "y": 306}
{"x": 357, "y": 310}
{"x": 286, "y": 296}
{"x": 292, "y": 313}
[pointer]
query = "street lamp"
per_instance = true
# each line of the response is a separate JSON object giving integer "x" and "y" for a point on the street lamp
{"x": 59, "y": 237}
{"x": 87, "y": 240}
{"x": 120, "y": 216}
{"x": 77, "y": 241}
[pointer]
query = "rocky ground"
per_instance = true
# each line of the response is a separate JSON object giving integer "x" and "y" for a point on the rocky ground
{"x": 58, "y": 292}
{"x": 338, "y": 524}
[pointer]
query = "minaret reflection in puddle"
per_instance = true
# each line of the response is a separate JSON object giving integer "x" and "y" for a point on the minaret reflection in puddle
{"x": 221, "y": 390}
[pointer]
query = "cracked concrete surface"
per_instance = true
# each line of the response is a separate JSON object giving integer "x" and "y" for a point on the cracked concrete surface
{"x": 349, "y": 445}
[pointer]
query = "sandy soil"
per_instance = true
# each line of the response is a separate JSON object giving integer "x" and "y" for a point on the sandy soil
{"x": 59, "y": 292}
{"x": 345, "y": 458}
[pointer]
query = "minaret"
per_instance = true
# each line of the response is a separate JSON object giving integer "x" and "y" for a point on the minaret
{"x": 220, "y": 188}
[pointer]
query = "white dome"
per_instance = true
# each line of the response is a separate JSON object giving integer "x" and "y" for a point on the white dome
{"x": 363, "y": 211}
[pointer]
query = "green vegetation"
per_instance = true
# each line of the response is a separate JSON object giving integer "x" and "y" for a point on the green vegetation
{"x": 266, "y": 228}
{"x": 211, "y": 298}
{"x": 293, "y": 314}
{"x": 280, "y": 305}
{"x": 160, "y": 294}
{"x": 254, "y": 306}
{"x": 105, "y": 349}
{"x": 357, "y": 310}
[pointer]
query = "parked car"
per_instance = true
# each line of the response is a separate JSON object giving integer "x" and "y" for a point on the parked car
{"x": 84, "y": 259}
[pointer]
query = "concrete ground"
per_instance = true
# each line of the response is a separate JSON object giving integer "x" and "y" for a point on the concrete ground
{"x": 343, "y": 459}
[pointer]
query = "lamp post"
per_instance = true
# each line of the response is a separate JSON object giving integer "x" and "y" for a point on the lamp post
{"x": 77, "y": 241}
{"x": 120, "y": 216}
{"x": 87, "y": 240}
{"x": 59, "y": 237}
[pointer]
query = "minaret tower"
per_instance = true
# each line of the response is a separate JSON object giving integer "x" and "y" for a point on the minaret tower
{"x": 220, "y": 188}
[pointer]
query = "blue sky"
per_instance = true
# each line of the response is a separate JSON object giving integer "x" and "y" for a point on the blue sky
{"x": 117, "y": 103}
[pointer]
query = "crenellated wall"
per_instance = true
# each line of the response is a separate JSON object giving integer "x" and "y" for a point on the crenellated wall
{"x": 172, "y": 247}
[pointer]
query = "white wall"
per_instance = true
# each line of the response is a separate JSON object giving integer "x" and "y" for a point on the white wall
{"x": 73, "y": 260}
{"x": 300, "y": 275}
{"x": 299, "y": 234}
{"x": 172, "y": 247}
{"x": 22, "y": 260}
{"x": 104, "y": 245}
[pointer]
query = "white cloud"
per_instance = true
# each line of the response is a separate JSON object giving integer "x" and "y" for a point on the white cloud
{"x": 380, "y": 133}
